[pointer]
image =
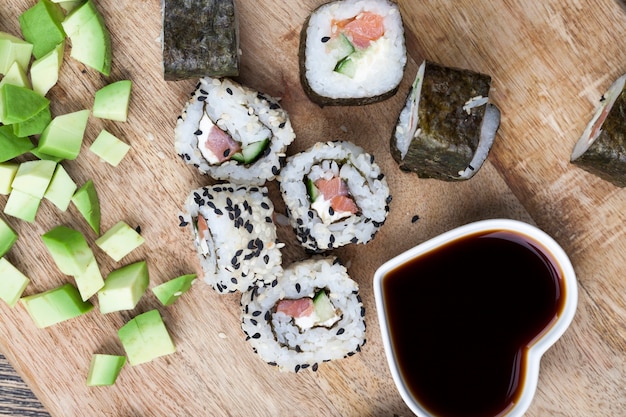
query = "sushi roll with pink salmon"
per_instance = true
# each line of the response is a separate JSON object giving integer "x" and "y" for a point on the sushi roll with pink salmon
{"x": 233, "y": 133}
{"x": 312, "y": 314}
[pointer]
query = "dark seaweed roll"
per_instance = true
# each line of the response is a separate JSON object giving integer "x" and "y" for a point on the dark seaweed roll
{"x": 234, "y": 236}
{"x": 312, "y": 314}
{"x": 200, "y": 38}
{"x": 601, "y": 149}
{"x": 447, "y": 127}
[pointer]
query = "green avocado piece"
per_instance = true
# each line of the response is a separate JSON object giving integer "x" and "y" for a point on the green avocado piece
{"x": 104, "y": 369}
{"x": 41, "y": 26}
{"x": 40, "y": 155}
{"x": 61, "y": 188}
{"x": 109, "y": 148}
{"x": 33, "y": 177}
{"x": 22, "y": 205}
{"x": 69, "y": 250}
{"x": 111, "y": 101}
{"x": 44, "y": 71}
{"x": 8, "y": 237}
{"x": 64, "y": 135}
{"x": 90, "y": 281}
{"x": 12, "y": 283}
{"x": 7, "y": 174}
{"x": 12, "y": 146}
{"x": 55, "y": 305}
{"x": 33, "y": 126}
{"x": 170, "y": 291}
{"x": 146, "y": 338}
{"x": 119, "y": 241}
{"x": 14, "y": 49}
{"x": 20, "y": 103}
{"x": 124, "y": 287}
{"x": 90, "y": 39}
{"x": 324, "y": 309}
{"x": 16, "y": 75}
{"x": 86, "y": 201}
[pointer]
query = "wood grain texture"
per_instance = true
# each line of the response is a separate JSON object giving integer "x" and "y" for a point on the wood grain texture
{"x": 550, "y": 62}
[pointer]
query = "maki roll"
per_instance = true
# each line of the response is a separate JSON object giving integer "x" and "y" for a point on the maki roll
{"x": 234, "y": 236}
{"x": 233, "y": 133}
{"x": 199, "y": 38}
{"x": 335, "y": 194}
{"x": 312, "y": 314}
{"x": 601, "y": 149}
{"x": 352, "y": 52}
{"x": 447, "y": 126}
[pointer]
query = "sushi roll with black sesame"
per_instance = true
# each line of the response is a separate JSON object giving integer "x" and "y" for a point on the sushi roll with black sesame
{"x": 601, "y": 149}
{"x": 233, "y": 133}
{"x": 335, "y": 194}
{"x": 352, "y": 52}
{"x": 448, "y": 125}
{"x": 312, "y": 314}
{"x": 234, "y": 236}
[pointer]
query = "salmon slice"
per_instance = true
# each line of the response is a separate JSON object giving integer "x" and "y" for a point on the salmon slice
{"x": 342, "y": 203}
{"x": 362, "y": 29}
{"x": 302, "y": 307}
{"x": 336, "y": 190}
{"x": 221, "y": 144}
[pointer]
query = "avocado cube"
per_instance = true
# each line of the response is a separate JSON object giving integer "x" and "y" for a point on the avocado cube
{"x": 109, "y": 148}
{"x": 90, "y": 281}
{"x": 111, "y": 101}
{"x": 41, "y": 26}
{"x": 85, "y": 199}
{"x": 33, "y": 177}
{"x": 13, "y": 49}
{"x": 69, "y": 249}
{"x": 104, "y": 369}
{"x": 12, "y": 146}
{"x": 55, "y": 305}
{"x": 119, "y": 241}
{"x": 12, "y": 283}
{"x": 61, "y": 188}
{"x": 20, "y": 103}
{"x": 33, "y": 126}
{"x": 145, "y": 338}
{"x": 7, "y": 173}
{"x": 63, "y": 137}
{"x": 22, "y": 205}
{"x": 90, "y": 39}
{"x": 170, "y": 291}
{"x": 124, "y": 287}
{"x": 44, "y": 71}
{"x": 16, "y": 75}
{"x": 8, "y": 237}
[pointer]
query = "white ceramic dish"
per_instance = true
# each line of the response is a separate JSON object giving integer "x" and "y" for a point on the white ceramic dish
{"x": 535, "y": 351}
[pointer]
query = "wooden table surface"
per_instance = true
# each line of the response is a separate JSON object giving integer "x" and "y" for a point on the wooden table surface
{"x": 550, "y": 61}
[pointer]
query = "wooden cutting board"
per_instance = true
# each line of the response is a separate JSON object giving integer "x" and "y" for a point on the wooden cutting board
{"x": 550, "y": 62}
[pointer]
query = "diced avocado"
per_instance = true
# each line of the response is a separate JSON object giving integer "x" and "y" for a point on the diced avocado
{"x": 340, "y": 47}
{"x": 61, "y": 188}
{"x": 12, "y": 146}
{"x": 145, "y": 338}
{"x": 124, "y": 287}
{"x": 41, "y": 26}
{"x": 312, "y": 190}
{"x": 33, "y": 126}
{"x": 119, "y": 241}
{"x": 348, "y": 65}
{"x": 44, "y": 71}
{"x": 90, "y": 39}
{"x": 109, "y": 148}
{"x": 14, "y": 49}
{"x": 7, "y": 173}
{"x": 90, "y": 281}
{"x": 251, "y": 152}
{"x": 40, "y": 155}
{"x": 8, "y": 237}
{"x": 55, "y": 305}
{"x": 63, "y": 137}
{"x": 104, "y": 369}
{"x": 20, "y": 103}
{"x": 86, "y": 201}
{"x": 324, "y": 309}
{"x": 22, "y": 205}
{"x": 12, "y": 282}
{"x": 111, "y": 101}
{"x": 16, "y": 75}
{"x": 168, "y": 292}
{"x": 33, "y": 177}
{"x": 69, "y": 249}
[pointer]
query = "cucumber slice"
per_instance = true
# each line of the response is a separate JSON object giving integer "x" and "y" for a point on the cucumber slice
{"x": 312, "y": 190}
{"x": 348, "y": 65}
{"x": 324, "y": 309}
{"x": 252, "y": 152}
{"x": 340, "y": 47}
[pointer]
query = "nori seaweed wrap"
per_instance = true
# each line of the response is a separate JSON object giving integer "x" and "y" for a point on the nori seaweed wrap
{"x": 601, "y": 150}
{"x": 447, "y": 126}
{"x": 200, "y": 38}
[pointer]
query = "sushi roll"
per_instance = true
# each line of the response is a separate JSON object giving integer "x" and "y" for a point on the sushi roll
{"x": 601, "y": 149}
{"x": 234, "y": 236}
{"x": 352, "y": 52}
{"x": 199, "y": 38}
{"x": 312, "y": 314}
{"x": 233, "y": 133}
{"x": 335, "y": 194}
{"x": 447, "y": 126}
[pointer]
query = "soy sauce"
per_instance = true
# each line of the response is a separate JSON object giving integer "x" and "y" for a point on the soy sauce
{"x": 461, "y": 318}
